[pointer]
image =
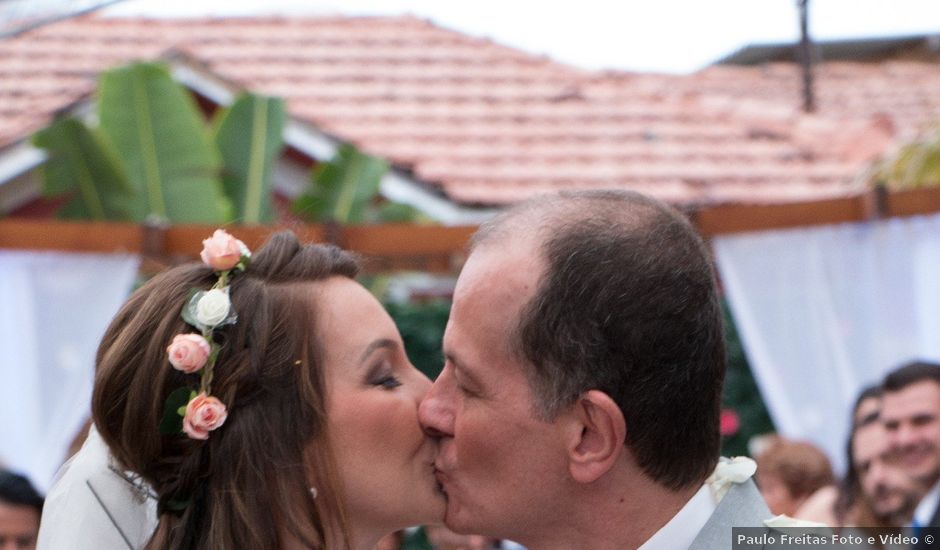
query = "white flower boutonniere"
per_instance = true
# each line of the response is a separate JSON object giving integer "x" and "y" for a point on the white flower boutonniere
{"x": 730, "y": 471}
{"x": 783, "y": 521}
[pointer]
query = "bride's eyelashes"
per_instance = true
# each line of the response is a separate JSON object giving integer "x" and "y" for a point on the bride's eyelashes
{"x": 381, "y": 374}
{"x": 388, "y": 382}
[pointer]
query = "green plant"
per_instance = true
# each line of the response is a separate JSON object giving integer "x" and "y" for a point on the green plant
{"x": 741, "y": 394}
{"x": 249, "y": 137}
{"x": 422, "y": 329}
{"x": 83, "y": 165}
{"x": 346, "y": 190}
{"x": 152, "y": 156}
{"x": 157, "y": 130}
{"x": 914, "y": 165}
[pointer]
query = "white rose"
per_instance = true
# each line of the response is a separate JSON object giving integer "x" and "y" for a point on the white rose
{"x": 728, "y": 472}
{"x": 213, "y": 307}
{"x": 786, "y": 521}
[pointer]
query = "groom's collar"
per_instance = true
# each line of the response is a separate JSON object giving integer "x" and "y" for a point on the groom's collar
{"x": 681, "y": 530}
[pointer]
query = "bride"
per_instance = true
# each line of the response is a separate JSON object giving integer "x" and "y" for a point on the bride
{"x": 265, "y": 401}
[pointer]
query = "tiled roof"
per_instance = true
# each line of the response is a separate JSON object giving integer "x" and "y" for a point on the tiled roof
{"x": 485, "y": 124}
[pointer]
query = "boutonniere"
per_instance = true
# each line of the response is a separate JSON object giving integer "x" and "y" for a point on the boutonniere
{"x": 729, "y": 472}
{"x": 783, "y": 521}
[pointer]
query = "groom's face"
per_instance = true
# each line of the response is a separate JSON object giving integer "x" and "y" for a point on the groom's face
{"x": 499, "y": 464}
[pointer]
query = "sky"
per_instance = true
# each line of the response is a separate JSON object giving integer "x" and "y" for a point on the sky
{"x": 675, "y": 36}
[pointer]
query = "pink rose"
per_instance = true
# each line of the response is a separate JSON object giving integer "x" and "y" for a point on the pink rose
{"x": 204, "y": 413}
{"x": 222, "y": 251}
{"x": 188, "y": 352}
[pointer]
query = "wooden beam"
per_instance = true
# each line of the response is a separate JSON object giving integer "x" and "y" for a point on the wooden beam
{"x": 439, "y": 248}
{"x": 393, "y": 246}
{"x": 406, "y": 239}
{"x": 913, "y": 202}
{"x": 49, "y": 234}
{"x": 186, "y": 240}
{"x": 720, "y": 220}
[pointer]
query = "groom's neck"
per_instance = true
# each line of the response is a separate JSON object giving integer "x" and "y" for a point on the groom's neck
{"x": 618, "y": 513}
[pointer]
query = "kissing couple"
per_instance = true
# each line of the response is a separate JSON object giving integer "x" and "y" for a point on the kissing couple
{"x": 265, "y": 400}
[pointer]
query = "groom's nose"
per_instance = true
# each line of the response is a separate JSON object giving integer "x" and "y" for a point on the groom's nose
{"x": 436, "y": 411}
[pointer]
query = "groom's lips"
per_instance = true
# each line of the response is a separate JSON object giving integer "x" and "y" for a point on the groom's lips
{"x": 441, "y": 477}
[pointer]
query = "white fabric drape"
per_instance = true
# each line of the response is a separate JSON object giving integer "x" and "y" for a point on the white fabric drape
{"x": 825, "y": 311}
{"x": 54, "y": 308}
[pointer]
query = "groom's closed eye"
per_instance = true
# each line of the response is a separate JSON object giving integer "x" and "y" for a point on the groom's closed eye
{"x": 467, "y": 382}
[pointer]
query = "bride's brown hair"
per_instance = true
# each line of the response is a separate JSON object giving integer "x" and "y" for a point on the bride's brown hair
{"x": 248, "y": 484}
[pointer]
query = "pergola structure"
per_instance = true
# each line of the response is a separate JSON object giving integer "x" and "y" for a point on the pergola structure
{"x": 432, "y": 248}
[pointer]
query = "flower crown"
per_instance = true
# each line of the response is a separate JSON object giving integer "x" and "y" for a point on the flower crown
{"x": 188, "y": 411}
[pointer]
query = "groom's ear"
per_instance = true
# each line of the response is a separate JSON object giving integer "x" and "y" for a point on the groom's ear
{"x": 596, "y": 435}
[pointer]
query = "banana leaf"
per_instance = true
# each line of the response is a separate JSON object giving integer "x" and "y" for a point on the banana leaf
{"x": 913, "y": 166}
{"x": 82, "y": 162}
{"x": 343, "y": 189}
{"x": 249, "y": 135}
{"x": 159, "y": 134}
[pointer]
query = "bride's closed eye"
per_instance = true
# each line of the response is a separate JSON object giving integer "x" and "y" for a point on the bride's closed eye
{"x": 382, "y": 374}
{"x": 388, "y": 382}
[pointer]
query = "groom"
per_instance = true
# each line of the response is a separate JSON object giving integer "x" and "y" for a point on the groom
{"x": 579, "y": 403}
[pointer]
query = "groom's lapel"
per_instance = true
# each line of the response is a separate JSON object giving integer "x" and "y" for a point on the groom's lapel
{"x": 742, "y": 506}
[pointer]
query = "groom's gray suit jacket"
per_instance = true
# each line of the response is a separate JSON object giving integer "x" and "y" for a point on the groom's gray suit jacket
{"x": 742, "y": 506}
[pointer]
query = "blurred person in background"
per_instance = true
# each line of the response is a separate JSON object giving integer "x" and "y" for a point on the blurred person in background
{"x": 789, "y": 472}
{"x": 890, "y": 492}
{"x": 875, "y": 492}
{"x": 20, "y": 510}
{"x": 911, "y": 415}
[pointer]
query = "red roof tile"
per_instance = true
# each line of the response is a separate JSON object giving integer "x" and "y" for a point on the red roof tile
{"x": 487, "y": 124}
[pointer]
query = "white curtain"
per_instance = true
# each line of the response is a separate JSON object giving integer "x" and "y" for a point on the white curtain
{"x": 54, "y": 308}
{"x": 824, "y": 311}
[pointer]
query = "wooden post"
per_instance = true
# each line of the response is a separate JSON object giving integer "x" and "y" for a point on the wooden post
{"x": 806, "y": 57}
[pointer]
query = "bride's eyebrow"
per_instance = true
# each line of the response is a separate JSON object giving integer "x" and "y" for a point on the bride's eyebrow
{"x": 378, "y": 344}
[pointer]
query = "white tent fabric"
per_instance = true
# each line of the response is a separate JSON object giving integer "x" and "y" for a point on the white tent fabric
{"x": 54, "y": 308}
{"x": 824, "y": 311}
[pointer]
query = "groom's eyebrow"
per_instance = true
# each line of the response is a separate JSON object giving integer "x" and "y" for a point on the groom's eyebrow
{"x": 378, "y": 344}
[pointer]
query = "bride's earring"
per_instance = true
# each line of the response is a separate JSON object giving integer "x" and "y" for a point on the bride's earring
{"x": 313, "y": 492}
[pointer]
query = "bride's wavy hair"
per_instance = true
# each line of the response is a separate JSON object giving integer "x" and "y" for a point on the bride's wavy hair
{"x": 248, "y": 485}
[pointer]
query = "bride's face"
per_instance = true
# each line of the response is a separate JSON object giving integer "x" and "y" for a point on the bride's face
{"x": 385, "y": 462}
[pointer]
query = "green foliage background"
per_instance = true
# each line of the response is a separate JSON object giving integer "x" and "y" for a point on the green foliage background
{"x": 422, "y": 329}
{"x": 741, "y": 394}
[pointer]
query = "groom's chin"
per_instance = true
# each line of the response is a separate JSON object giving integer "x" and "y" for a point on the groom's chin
{"x": 453, "y": 519}
{"x": 458, "y": 520}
